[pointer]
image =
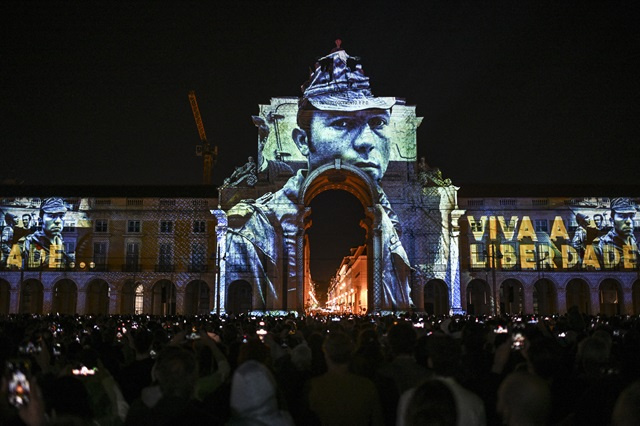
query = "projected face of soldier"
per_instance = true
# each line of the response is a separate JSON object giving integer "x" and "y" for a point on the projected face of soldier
{"x": 598, "y": 220}
{"x": 623, "y": 223}
{"x": 26, "y": 219}
{"x": 359, "y": 138}
{"x": 52, "y": 224}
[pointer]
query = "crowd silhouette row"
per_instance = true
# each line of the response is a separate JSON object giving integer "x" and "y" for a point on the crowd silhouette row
{"x": 404, "y": 370}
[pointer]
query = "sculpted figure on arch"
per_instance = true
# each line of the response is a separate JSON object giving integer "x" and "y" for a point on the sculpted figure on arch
{"x": 338, "y": 118}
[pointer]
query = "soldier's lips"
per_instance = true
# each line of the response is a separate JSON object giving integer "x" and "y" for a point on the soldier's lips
{"x": 367, "y": 165}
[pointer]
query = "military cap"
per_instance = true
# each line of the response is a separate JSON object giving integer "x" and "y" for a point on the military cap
{"x": 53, "y": 205}
{"x": 338, "y": 83}
{"x": 622, "y": 205}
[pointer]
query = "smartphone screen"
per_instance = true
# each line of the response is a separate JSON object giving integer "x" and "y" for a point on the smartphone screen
{"x": 19, "y": 389}
{"x": 517, "y": 341}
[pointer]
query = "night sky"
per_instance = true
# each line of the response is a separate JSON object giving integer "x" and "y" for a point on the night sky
{"x": 513, "y": 92}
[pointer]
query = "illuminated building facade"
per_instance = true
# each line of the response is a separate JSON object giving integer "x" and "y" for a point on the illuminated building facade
{"x": 544, "y": 254}
{"x": 348, "y": 288}
{"x": 115, "y": 254}
{"x": 157, "y": 254}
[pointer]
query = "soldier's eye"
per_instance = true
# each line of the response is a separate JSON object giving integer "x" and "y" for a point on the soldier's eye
{"x": 377, "y": 122}
{"x": 341, "y": 123}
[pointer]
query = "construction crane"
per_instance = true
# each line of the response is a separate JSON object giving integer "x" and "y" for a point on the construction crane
{"x": 203, "y": 149}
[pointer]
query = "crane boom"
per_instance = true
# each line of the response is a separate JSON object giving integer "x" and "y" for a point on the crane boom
{"x": 204, "y": 149}
{"x": 196, "y": 115}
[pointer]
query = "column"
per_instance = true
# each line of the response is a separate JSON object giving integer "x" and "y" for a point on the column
{"x": 595, "y": 299}
{"x": 528, "y": 298}
{"x": 377, "y": 266}
{"x": 14, "y": 294}
{"x": 627, "y": 301}
{"x": 220, "y": 285}
{"x": 179, "y": 300}
{"x": 114, "y": 297}
{"x": 47, "y": 300}
{"x": 562, "y": 299}
{"x": 301, "y": 280}
{"x": 453, "y": 269}
{"x": 81, "y": 301}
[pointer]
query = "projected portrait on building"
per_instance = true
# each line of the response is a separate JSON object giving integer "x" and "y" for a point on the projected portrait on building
{"x": 338, "y": 121}
{"x": 619, "y": 246}
{"x": 594, "y": 235}
{"x": 36, "y": 240}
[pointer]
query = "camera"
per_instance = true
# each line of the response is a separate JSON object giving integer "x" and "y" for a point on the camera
{"x": 19, "y": 389}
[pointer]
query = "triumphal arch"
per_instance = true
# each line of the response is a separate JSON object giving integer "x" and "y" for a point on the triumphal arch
{"x": 337, "y": 136}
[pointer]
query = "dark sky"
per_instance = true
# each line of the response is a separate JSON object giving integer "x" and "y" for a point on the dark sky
{"x": 514, "y": 92}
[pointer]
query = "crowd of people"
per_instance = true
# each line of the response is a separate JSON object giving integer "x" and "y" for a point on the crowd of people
{"x": 248, "y": 369}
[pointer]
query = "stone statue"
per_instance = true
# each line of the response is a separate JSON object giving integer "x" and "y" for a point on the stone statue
{"x": 243, "y": 175}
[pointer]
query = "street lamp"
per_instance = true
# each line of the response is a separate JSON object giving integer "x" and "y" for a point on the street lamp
{"x": 493, "y": 255}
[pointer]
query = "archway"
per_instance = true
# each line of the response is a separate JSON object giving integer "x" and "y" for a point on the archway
{"x": 138, "y": 307}
{"x": 544, "y": 297}
{"x": 31, "y": 297}
{"x": 5, "y": 296}
{"x": 239, "y": 297}
{"x": 436, "y": 297}
{"x": 98, "y": 297}
{"x": 196, "y": 298}
{"x": 511, "y": 297}
{"x": 579, "y": 295}
{"x": 635, "y": 297}
{"x": 478, "y": 297}
{"x": 336, "y": 248}
{"x": 65, "y": 297}
{"x": 386, "y": 290}
{"x": 163, "y": 298}
{"x": 610, "y": 297}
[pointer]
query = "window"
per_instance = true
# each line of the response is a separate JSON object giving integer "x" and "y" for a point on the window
{"x": 133, "y": 256}
{"x": 477, "y": 226}
{"x": 541, "y": 225}
{"x": 165, "y": 254}
{"x": 540, "y": 202}
{"x": 165, "y": 258}
{"x": 100, "y": 254}
{"x": 133, "y": 226}
{"x": 199, "y": 226}
{"x": 71, "y": 227}
{"x": 166, "y": 226}
{"x": 478, "y": 255}
{"x": 69, "y": 247}
{"x": 198, "y": 257}
{"x": 100, "y": 225}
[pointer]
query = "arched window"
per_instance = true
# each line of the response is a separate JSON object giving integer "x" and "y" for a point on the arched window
{"x": 139, "y": 299}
